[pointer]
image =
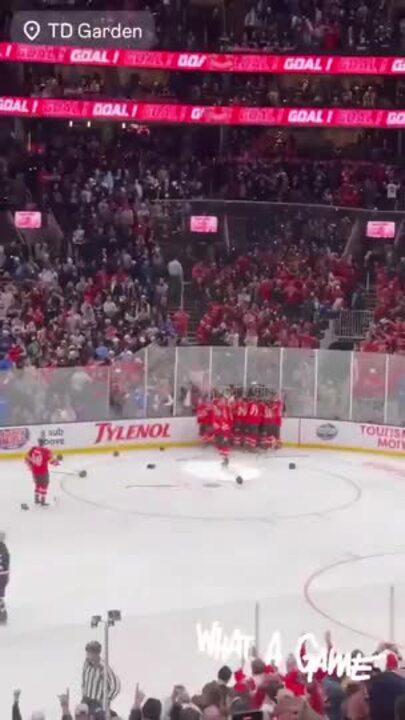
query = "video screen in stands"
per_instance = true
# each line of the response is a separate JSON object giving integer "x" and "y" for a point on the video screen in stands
{"x": 204, "y": 223}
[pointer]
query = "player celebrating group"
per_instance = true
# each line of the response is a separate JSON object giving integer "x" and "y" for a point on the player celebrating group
{"x": 38, "y": 460}
{"x": 237, "y": 421}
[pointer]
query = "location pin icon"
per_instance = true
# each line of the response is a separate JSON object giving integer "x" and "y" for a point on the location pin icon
{"x": 32, "y": 29}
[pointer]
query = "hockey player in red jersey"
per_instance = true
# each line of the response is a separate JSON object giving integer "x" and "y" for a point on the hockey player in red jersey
{"x": 278, "y": 408}
{"x": 252, "y": 423}
{"x": 240, "y": 408}
{"x": 236, "y": 409}
{"x": 266, "y": 432}
{"x": 223, "y": 428}
{"x": 268, "y": 429}
{"x": 204, "y": 412}
{"x": 38, "y": 460}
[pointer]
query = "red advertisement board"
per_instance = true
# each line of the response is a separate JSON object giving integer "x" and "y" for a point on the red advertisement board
{"x": 199, "y": 114}
{"x": 204, "y": 62}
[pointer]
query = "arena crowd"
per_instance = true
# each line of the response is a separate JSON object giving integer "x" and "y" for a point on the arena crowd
{"x": 276, "y": 26}
{"x": 219, "y": 89}
{"x": 106, "y": 288}
{"x": 285, "y": 694}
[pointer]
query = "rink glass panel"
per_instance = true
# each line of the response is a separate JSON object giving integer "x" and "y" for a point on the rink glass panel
{"x": 128, "y": 388}
{"x": 298, "y": 382}
{"x": 54, "y": 395}
{"x": 192, "y": 366}
{"x": 157, "y": 382}
{"x": 228, "y": 369}
{"x": 333, "y": 385}
{"x": 396, "y": 390}
{"x": 263, "y": 369}
{"x": 369, "y": 380}
{"x": 160, "y": 368}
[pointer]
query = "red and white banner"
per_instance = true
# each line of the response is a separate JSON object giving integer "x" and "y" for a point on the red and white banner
{"x": 160, "y": 432}
{"x": 28, "y": 219}
{"x": 103, "y": 434}
{"x": 205, "y": 62}
{"x": 383, "y": 229}
{"x": 199, "y": 114}
{"x": 106, "y": 434}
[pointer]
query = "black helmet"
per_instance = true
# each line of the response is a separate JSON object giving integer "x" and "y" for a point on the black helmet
{"x": 93, "y": 646}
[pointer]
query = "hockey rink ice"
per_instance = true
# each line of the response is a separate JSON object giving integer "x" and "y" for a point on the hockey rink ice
{"x": 181, "y": 544}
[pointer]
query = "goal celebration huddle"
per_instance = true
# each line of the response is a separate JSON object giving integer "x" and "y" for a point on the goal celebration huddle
{"x": 240, "y": 422}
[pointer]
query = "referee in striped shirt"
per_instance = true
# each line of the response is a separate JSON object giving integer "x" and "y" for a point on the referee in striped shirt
{"x": 93, "y": 678}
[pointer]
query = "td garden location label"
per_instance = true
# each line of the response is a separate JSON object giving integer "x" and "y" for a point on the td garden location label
{"x": 112, "y": 29}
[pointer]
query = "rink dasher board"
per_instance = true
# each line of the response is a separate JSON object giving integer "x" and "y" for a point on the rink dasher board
{"x": 156, "y": 433}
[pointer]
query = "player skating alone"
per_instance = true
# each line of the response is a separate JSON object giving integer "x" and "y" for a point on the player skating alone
{"x": 38, "y": 460}
{"x": 4, "y": 575}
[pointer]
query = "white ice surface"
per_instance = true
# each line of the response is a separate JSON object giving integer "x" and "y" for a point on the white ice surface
{"x": 183, "y": 543}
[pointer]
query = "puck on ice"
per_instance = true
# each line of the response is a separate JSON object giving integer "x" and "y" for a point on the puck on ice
{"x": 59, "y": 457}
{"x": 151, "y": 466}
{"x": 83, "y": 473}
{"x": 239, "y": 480}
{"x": 116, "y": 453}
{"x": 291, "y": 466}
{"x": 24, "y": 506}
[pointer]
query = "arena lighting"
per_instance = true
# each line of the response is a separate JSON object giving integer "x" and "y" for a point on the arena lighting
{"x": 145, "y": 112}
{"x": 203, "y": 62}
{"x": 113, "y": 616}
